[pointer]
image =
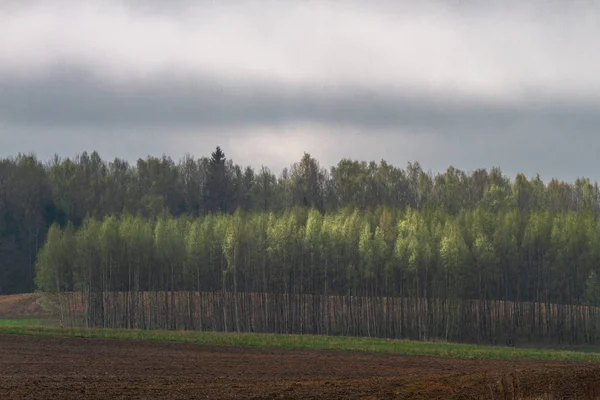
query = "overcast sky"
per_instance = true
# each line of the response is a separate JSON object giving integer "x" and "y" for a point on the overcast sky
{"x": 471, "y": 84}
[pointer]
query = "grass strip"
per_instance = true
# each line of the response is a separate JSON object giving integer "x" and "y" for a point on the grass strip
{"x": 21, "y": 322}
{"x": 279, "y": 341}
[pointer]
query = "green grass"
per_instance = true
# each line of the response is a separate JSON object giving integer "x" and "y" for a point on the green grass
{"x": 405, "y": 347}
{"x": 21, "y": 322}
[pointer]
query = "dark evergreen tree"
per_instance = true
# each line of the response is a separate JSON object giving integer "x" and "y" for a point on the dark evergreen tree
{"x": 218, "y": 184}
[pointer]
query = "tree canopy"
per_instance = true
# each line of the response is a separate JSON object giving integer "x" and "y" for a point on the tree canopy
{"x": 478, "y": 211}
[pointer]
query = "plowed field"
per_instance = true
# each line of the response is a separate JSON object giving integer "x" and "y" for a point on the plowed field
{"x": 59, "y": 368}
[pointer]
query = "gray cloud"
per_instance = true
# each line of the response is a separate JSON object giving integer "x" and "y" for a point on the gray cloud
{"x": 74, "y": 99}
{"x": 507, "y": 84}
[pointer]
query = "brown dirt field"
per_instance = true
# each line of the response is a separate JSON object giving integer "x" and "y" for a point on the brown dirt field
{"x": 21, "y": 306}
{"x": 53, "y": 368}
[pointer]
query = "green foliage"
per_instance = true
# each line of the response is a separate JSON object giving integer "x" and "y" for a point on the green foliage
{"x": 539, "y": 257}
{"x": 592, "y": 289}
{"x": 529, "y": 239}
{"x": 54, "y": 266}
{"x": 454, "y": 258}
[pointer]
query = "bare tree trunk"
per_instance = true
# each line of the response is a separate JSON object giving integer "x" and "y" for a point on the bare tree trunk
{"x": 224, "y": 304}
{"x": 235, "y": 301}
{"x": 60, "y": 305}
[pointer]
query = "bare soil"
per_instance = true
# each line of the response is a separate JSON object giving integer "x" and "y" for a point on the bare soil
{"x": 61, "y": 368}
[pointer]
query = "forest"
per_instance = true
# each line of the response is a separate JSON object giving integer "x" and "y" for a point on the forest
{"x": 207, "y": 244}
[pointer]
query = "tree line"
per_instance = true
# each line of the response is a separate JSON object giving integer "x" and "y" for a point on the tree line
{"x": 35, "y": 194}
{"x": 466, "y": 264}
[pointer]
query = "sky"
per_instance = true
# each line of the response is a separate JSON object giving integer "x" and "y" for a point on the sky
{"x": 473, "y": 84}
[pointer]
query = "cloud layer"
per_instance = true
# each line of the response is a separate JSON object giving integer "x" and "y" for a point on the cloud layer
{"x": 470, "y": 85}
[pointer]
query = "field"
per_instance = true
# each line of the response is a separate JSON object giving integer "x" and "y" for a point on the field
{"x": 43, "y": 361}
{"x": 21, "y": 306}
{"x": 74, "y": 368}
